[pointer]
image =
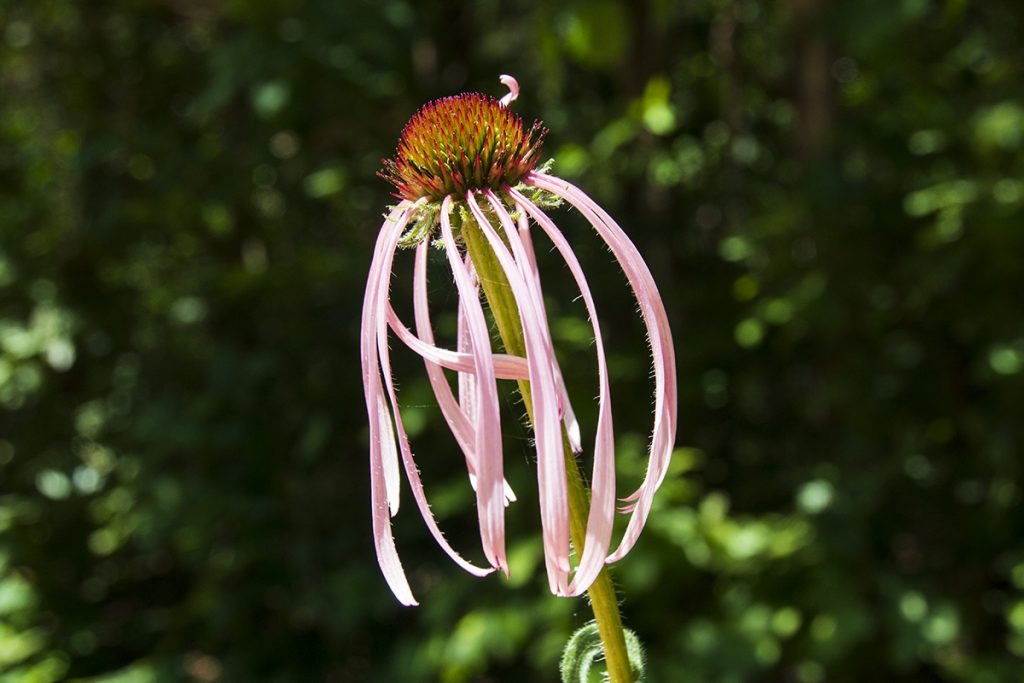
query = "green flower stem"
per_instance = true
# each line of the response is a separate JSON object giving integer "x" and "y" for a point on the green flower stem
{"x": 506, "y": 316}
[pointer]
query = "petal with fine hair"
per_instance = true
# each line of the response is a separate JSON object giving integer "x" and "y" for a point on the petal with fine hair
{"x": 551, "y": 475}
{"x": 600, "y": 521}
{"x": 490, "y": 468}
{"x": 467, "y": 380}
{"x": 383, "y": 541}
{"x": 411, "y": 472}
{"x": 506, "y": 366}
{"x": 659, "y": 336}
{"x": 458, "y": 421}
{"x": 529, "y": 269}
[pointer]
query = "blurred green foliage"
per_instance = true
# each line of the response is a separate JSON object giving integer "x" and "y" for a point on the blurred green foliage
{"x": 831, "y": 196}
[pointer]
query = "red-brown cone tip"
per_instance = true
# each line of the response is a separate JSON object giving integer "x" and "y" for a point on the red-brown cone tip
{"x": 460, "y": 143}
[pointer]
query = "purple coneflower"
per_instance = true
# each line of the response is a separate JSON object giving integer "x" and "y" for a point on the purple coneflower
{"x": 463, "y": 160}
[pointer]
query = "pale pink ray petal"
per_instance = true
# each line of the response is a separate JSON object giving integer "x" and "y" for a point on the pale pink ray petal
{"x": 523, "y": 224}
{"x": 457, "y": 419}
{"x": 409, "y": 463}
{"x": 644, "y": 288}
{"x": 467, "y": 381}
{"x": 389, "y": 450}
{"x": 450, "y": 409}
{"x": 513, "y": 90}
{"x": 602, "y": 505}
{"x": 568, "y": 415}
{"x": 551, "y": 475}
{"x": 383, "y": 541}
{"x": 389, "y": 454}
{"x": 572, "y": 425}
{"x": 659, "y": 337}
{"x": 411, "y": 471}
{"x": 490, "y": 467}
{"x": 506, "y": 366}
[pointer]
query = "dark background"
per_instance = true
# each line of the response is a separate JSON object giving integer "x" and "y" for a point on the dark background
{"x": 830, "y": 196}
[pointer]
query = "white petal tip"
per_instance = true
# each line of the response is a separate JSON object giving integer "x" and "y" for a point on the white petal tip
{"x": 479, "y": 572}
{"x": 510, "y": 495}
{"x": 400, "y": 587}
{"x": 575, "y": 438}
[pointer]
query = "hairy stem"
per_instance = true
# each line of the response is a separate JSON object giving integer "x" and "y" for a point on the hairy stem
{"x": 502, "y": 303}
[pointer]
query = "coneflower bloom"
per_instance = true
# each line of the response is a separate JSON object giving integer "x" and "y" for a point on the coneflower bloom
{"x": 469, "y": 154}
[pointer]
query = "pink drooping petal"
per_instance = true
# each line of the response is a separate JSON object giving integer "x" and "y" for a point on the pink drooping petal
{"x": 602, "y": 505}
{"x": 513, "y": 90}
{"x": 411, "y": 472}
{"x": 506, "y": 366}
{"x": 490, "y": 466}
{"x": 458, "y": 421}
{"x": 568, "y": 415}
{"x": 453, "y": 414}
{"x": 551, "y": 476}
{"x": 523, "y": 227}
{"x": 467, "y": 381}
{"x": 389, "y": 454}
{"x": 389, "y": 449}
{"x": 383, "y": 541}
{"x": 659, "y": 337}
{"x": 529, "y": 269}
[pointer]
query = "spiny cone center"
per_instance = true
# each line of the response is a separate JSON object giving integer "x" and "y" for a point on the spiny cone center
{"x": 461, "y": 143}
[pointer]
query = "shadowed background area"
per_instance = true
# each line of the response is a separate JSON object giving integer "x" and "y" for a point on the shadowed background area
{"x": 829, "y": 194}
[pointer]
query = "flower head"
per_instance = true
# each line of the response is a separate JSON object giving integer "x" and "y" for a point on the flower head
{"x": 466, "y": 171}
{"x": 465, "y": 142}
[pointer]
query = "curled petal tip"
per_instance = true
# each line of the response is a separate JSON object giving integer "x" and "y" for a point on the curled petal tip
{"x": 513, "y": 89}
